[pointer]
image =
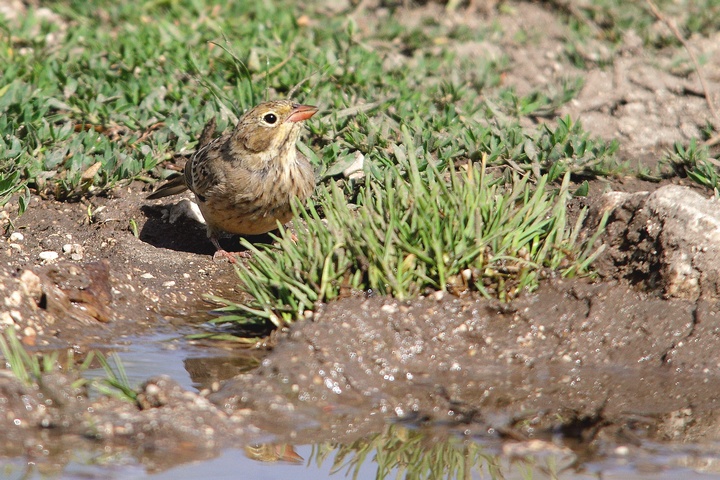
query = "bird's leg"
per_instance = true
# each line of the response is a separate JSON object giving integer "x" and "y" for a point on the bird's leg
{"x": 222, "y": 253}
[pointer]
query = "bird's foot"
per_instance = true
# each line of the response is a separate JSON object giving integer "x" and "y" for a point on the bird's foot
{"x": 230, "y": 257}
{"x": 221, "y": 254}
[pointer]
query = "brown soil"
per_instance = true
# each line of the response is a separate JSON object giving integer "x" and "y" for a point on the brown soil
{"x": 609, "y": 363}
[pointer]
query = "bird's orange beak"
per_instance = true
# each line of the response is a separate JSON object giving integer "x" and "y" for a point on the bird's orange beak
{"x": 301, "y": 112}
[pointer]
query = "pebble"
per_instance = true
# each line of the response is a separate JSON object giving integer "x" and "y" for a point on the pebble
{"x": 622, "y": 450}
{"x": 75, "y": 250}
{"x": 16, "y": 237}
{"x": 390, "y": 308}
{"x": 32, "y": 285}
{"x": 147, "y": 275}
{"x": 185, "y": 208}
{"x": 169, "y": 283}
{"x": 14, "y": 299}
{"x": 6, "y": 319}
{"x": 355, "y": 170}
{"x": 48, "y": 256}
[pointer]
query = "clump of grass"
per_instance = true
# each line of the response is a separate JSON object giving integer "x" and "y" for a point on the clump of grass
{"x": 399, "y": 452}
{"x": 412, "y": 232}
{"x": 25, "y": 367}
{"x": 12, "y": 184}
{"x": 538, "y": 103}
{"x": 694, "y": 161}
{"x": 555, "y": 150}
{"x": 116, "y": 383}
{"x": 30, "y": 369}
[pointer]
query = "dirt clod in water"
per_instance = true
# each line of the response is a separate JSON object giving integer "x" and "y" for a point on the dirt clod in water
{"x": 557, "y": 360}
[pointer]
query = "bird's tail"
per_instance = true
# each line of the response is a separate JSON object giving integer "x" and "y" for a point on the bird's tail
{"x": 175, "y": 184}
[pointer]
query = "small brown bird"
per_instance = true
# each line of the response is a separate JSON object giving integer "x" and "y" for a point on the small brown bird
{"x": 245, "y": 181}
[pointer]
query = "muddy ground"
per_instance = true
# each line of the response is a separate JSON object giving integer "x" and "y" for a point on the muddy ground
{"x": 629, "y": 357}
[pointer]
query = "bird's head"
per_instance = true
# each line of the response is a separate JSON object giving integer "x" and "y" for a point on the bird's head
{"x": 271, "y": 129}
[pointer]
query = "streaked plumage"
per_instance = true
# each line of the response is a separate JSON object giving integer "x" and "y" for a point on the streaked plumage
{"x": 244, "y": 181}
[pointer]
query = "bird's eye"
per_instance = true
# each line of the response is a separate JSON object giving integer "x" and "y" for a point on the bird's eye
{"x": 270, "y": 118}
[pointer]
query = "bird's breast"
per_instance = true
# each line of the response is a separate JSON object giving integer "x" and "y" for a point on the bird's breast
{"x": 252, "y": 203}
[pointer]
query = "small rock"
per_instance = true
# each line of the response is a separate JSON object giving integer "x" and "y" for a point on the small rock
{"x": 186, "y": 208}
{"x": 75, "y": 250}
{"x": 16, "y": 237}
{"x": 48, "y": 256}
{"x": 170, "y": 283}
{"x": 14, "y": 299}
{"x": 356, "y": 169}
{"x": 391, "y": 308}
{"x": 31, "y": 284}
{"x": 6, "y": 319}
{"x": 147, "y": 275}
{"x": 674, "y": 231}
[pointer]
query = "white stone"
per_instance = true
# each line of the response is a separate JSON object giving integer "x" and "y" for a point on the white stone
{"x": 186, "y": 208}
{"x": 355, "y": 170}
{"x": 48, "y": 256}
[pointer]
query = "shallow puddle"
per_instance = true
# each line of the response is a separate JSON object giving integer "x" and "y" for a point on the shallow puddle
{"x": 192, "y": 364}
{"x": 400, "y": 451}
{"x": 462, "y": 460}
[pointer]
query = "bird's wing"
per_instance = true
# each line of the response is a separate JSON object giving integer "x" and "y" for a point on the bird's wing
{"x": 178, "y": 183}
{"x": 201, "y": 172}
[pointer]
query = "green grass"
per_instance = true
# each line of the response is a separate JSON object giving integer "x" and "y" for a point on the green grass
{"x": 25, "y": 367}
{"x": 31, "y": 368}
{"x": 610, "y": 20}
{"x": 78, "y": 116}
{"x": 598, "y": 28}
{"x": 694, "y": 162}
{"x": 415, "y": 231}
{"x": 111, "y": 92}
{"x": 81, "y": 116}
